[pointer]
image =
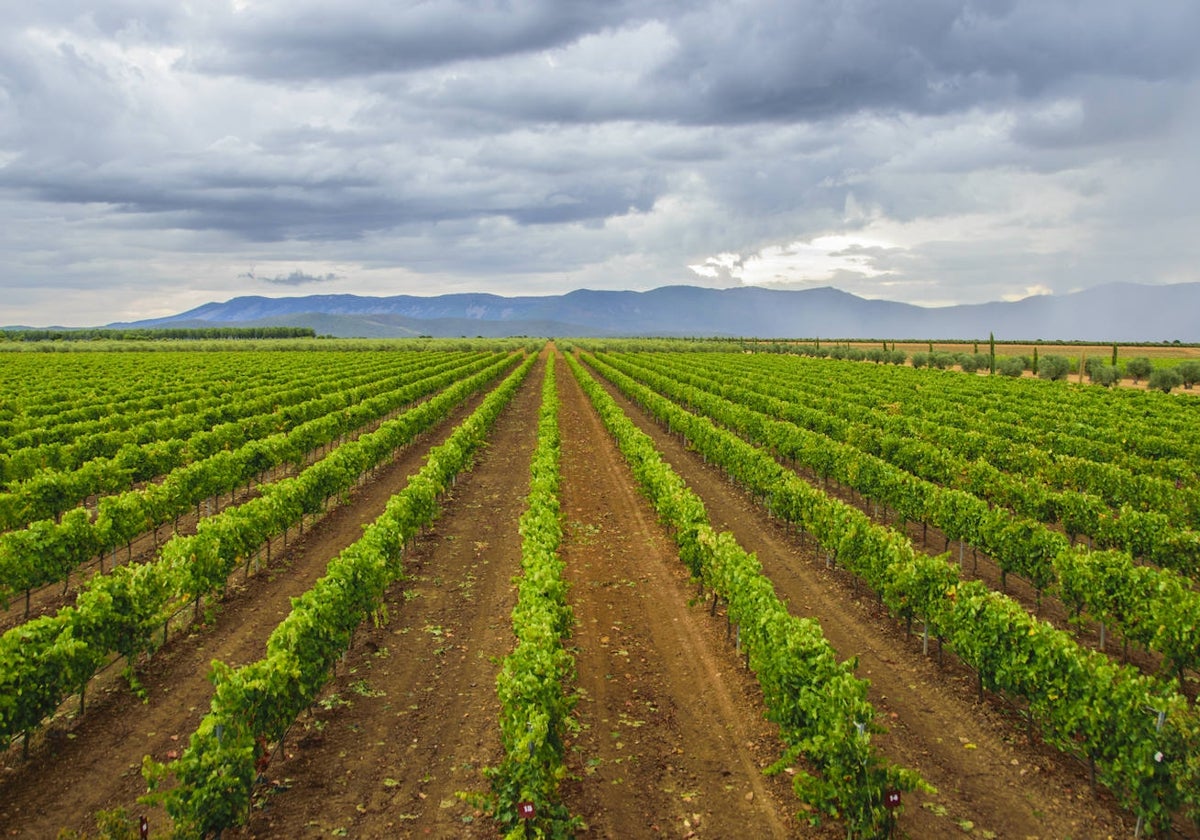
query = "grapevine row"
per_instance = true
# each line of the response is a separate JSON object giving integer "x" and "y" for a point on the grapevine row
{"x": 253, "y": 706}
{"x": 975, "y": 418}
{"x": 1152, "y": 607}
{"x": 47, "y": 659}
{"x": 1142, "y": 431}
{"x": 820, "y": 706}
{"x": 90, "y": 422}
{"x": 48, "y": 551}
{"x": 156, "y": 447}
{"x": 534, "y": 708}
{"x": 1139, "y": 736}
{"x": 1141, "y": 513}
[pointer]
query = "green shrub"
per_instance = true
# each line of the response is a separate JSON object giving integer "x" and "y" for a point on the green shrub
{"x": 1189, "y": 372}
{"x": 1164, "y": 379}
{"x": 1139, "y": 368}
{"x": 1054, "y": 367}
{"x": 1012, "y": 366}
{"x": 1102, "y": 374}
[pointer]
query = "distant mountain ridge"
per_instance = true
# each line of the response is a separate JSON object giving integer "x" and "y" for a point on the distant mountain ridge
{"x": 1124, "y": 312}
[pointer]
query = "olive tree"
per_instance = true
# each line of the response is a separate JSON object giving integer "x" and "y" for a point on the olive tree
{"x": 1189, "y": 372}
{"x": 1106, "y": 375}
{"x": 941, "y": 360}
{"x": 1012, "y": 366}
{"x": 1054, "y": 367}
{"x": 1164, "y": 379}
{"x": 1139, "y": 368}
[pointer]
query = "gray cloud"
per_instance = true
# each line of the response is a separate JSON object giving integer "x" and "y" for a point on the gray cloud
{"x": 933, "y": 151}
{"x": 296, "y": 278}
{"x": 314, "y": 40}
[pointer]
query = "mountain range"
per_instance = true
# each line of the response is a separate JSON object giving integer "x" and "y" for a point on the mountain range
{"x": 1124, "y": 312}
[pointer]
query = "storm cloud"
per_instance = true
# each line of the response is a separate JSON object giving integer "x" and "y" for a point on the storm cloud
{"x": 932, "y": 152}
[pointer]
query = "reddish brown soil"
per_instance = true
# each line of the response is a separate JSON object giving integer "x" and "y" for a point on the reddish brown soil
{"x": 410, "y": 721}
{"x": 1047, "y": 606}
{"x": 82, "y": 764}
{"x": 49, "y": 599}
{"x": 671, "y": 738}
{"x": 976, "y": 755}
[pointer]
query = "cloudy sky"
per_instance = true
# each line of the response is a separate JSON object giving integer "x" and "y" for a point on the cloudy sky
{"x": 158, "y": 155}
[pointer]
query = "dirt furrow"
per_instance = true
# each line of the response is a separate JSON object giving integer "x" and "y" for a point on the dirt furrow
{"x": 50, "y": 598}
{"x": 672, "y": 737}
{"x": 411, "y": 720}
{"x": 93, "y": 762}
{"x": 990, "y": 778}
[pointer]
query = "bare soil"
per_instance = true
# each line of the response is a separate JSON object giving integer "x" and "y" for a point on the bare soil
{"x": 991, "y": 779}
{"x": 81, "y": 764}
{"x": 671, "y": 737}
{"x": 49, "y": 599}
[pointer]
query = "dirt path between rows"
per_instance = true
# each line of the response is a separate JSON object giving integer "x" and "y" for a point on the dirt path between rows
{"x": 1047, "y": 606}
{"x": 672, "y": 740}
{"x": 671, "y": 737}
{"x": 411, "y": 719}
{"x": 85, "y": 764}
{"x": 50, "y": 598}
{"x": 990, "y": 779}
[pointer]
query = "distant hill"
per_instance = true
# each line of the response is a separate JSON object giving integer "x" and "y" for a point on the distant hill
{"x": 1123, "y": 312}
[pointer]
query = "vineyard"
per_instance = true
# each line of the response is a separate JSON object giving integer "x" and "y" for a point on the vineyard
{"x": 508, "y": 588}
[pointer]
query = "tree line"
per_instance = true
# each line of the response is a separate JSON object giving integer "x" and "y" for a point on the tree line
{"x": 156, "y": 334}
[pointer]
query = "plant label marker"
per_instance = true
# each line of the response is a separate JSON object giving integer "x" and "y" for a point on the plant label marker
{"x": 891, "y": 799}
{"x": 526, "y": 810}
{"x": 144, "y": 828}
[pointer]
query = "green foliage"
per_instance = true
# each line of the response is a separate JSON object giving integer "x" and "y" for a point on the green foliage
{"x": 1011, "y": 366}
{"x": 160, "y": 334}
{"x": 123, "y": 612}
{"x": 1189, "y": 372}
{"x": 1164, "y": 379}
{"x": 209, "y": 463}
{"x": 819, "y": 704}
{"x": 31, "y": 687}
{"x": 253, "y": 705}
{"x": 534, "y": 708}
{"x": 1139, "y": 368}
{"x": 115, "y": 824}
{"x": 1105, "y": 719}
{"x": 941, "y": 360}
{"x": 1054, "y": 367}
{"x": 1102, "y": 374}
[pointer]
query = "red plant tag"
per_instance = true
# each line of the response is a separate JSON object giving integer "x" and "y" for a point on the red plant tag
{"x": 891, "y": 799}
{"x": 526, "y": 810}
